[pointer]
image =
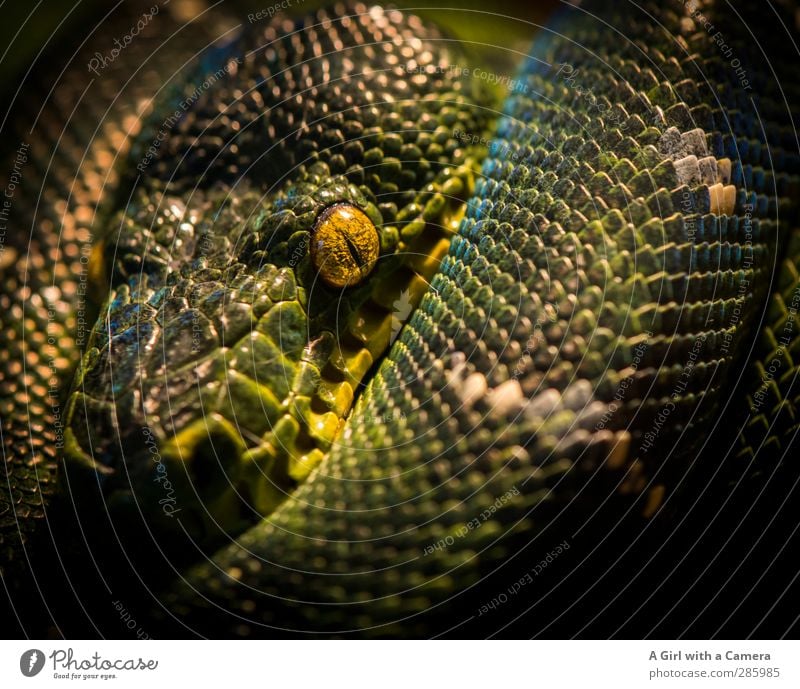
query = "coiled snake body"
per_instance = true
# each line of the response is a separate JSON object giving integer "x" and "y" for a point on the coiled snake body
{"x": 355, "y": 371}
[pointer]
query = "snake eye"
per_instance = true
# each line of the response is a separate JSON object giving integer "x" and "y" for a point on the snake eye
{"x": 344, "y": 245}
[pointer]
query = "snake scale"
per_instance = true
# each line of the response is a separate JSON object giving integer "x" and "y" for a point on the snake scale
{"x": 307, "y": 330}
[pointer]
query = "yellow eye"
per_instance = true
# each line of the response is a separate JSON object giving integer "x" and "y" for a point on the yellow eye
{"x": 344, "y": 246}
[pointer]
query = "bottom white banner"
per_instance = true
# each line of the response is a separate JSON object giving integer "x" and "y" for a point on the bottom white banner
{"x": 400, "y": 664}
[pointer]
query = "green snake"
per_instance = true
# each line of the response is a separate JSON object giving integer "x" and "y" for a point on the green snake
{"x": 307, "y": 330}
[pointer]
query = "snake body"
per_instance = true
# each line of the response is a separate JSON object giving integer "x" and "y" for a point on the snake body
{"x": 553, "y": 329}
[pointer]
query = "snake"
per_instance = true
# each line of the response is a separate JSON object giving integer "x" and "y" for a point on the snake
{"x": 311, "y": 325}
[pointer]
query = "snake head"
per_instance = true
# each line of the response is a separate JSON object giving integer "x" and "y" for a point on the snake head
{"x": 308, "y": 176}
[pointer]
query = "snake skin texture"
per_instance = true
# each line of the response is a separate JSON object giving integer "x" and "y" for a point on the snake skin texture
{"x": 61, "y": 181}
{"x": 594, "y": 278}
